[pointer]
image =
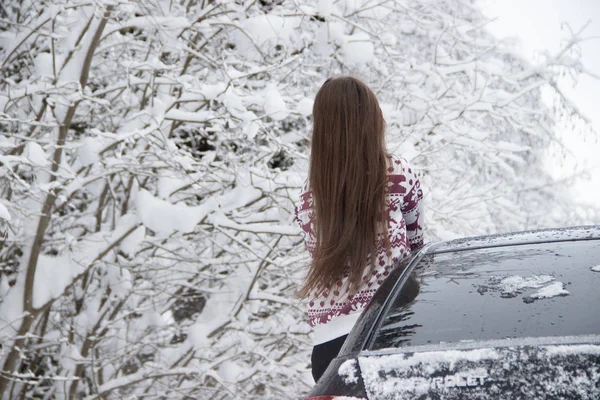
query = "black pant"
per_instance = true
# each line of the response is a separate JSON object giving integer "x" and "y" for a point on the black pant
{"x": 322, "y": 355}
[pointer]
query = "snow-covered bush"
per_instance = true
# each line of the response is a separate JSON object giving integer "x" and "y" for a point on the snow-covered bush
{"x": 150, "y": 154}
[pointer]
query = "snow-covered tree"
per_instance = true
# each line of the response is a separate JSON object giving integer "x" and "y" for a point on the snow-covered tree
{"x": 151, "y": 152}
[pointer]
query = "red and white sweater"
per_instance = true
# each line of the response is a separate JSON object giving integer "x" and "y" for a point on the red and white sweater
{"x": 333, "y": 314}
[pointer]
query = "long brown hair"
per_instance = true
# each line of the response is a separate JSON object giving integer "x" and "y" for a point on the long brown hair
{"x": 348, "y": 179}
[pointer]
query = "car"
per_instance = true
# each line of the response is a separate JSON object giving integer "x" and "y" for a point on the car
{"x": 511, "y": 316}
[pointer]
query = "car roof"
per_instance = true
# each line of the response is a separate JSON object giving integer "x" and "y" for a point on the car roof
{"x": 361, "y": 338}
{"x": 590, "y": 232}
{"x": 483, "y": 290}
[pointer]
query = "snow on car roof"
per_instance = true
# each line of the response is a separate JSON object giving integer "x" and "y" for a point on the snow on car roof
{"x": 517, "y": 238}
{"x": 557, "y": 343}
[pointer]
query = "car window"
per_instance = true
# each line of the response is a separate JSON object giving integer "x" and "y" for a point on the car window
{"x": 534, "y": 290}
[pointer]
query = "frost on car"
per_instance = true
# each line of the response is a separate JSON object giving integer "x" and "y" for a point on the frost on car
{"x": 497, "y": 317}
{"x": 511, "y": 371}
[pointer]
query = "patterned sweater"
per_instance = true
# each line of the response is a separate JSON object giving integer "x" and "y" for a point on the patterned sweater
{"x": 333, "y": 314}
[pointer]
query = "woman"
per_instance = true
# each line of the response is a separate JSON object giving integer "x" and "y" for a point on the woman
{"x": 359, "y": 212}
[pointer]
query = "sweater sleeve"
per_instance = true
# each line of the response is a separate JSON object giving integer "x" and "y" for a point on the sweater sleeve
{"x": 411, "y": 208}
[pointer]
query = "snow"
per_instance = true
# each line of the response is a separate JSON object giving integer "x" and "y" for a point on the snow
{"x": 212, "y": 92}
{"x": 358, "y": 49}
{"x": 388, "y": 39}
{"x": 140, "y": 376}
{"x": 7, "y": 142}
{"x": 70, "y": 357}
{"x": 43, "y": 65}
{"x": 168, "y": 22}
{"x": 10, "y": 40}
{"x": 264, "y": 28}
{"x": 222, "y": 221}
{"x": 573, "y": 349}
{"x": 151, "y": 64}
{"x": 274, "y": 105}
{"x": 336, "y": 33}
{"x": 181, "y": 115}
{"x": 71, "y": 72}
{"x": 348, "y": 371}
{"x": 4, "y": 214}
{"x": 274, "y": 298}
{"x": 11, "y": 307}
{"x": 408, "y": 27}
{"x": 304, "y": 107}
{"x": 164, "y": 217}
{"x": 233, "y": 102}
{"x": 214, "y": 315}
{"x": 55, "y": 273}
{"x": 573, "y": 371}
{"x": 430, "y": 358}
{"x": 502, "y": 145}
{"x": 543, "y": 235}
{"x": 89, "y": 151}
{"x": 322, "y": 46}
{"x": 324, "y": 7}
{"x": 553, "y": 290}
{"x": 132, "y": 242}
{"x": 395, "y": 387}
{"x": 36, "y": 155}
{"x": 247, "y": 191}
{"x": 167, "y": 185}
{"x": 380, "y": 384}
{"x": 514, "y": 284}
{"x": 4, "y": 286}
{"x": 260, "y": 33}
{"x": 232, "y": 372}
{"x": 251, "y": 127}
{"x": 52, "y": 276}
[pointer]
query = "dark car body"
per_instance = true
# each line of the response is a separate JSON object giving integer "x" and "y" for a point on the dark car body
{"x": 513, "y": 316}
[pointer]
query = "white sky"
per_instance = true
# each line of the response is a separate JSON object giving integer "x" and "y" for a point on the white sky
{"x": 538, "y": 26}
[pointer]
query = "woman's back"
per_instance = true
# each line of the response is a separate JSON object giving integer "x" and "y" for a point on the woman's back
{"x": 403, "y": 195}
